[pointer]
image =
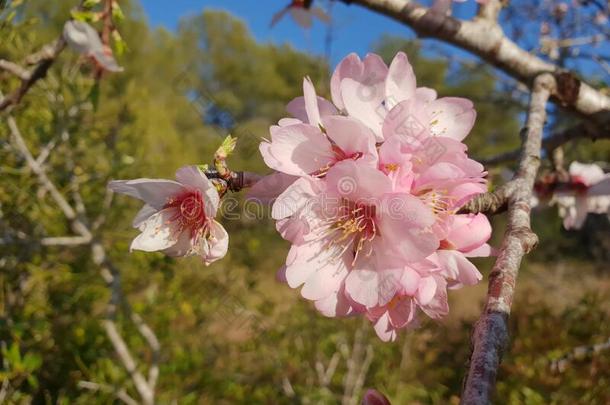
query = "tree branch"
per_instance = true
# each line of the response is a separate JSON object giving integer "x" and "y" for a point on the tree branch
{"x": 14, "y": 69}
{"x": 577, "y": 354}
{"x": 490, "y": 336}
{"x": 109, "y": 273}
{"x": 490, "y": 10}
{"x": 484, "y": 38}
{"x": 44, "y": 61}
{"x": 120, "y": 394}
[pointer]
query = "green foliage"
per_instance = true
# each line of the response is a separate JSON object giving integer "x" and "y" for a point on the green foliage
{"x": 229, "y": 332}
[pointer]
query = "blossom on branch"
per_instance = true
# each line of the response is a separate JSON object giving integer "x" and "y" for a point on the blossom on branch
{"x": 84, "y": 39}
{"x": 374, "y": 397}
{"x": 303, "y": 12}
{"x": 178, "y": 216}
{"x": 367, "y": 190}
{"x": 586, "y": 191}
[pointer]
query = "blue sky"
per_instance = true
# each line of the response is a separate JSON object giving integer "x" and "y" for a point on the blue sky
{"x": 355, "y": 29}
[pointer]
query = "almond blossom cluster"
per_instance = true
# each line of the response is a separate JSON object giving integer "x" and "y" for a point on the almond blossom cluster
{"x": 367, "y": 190}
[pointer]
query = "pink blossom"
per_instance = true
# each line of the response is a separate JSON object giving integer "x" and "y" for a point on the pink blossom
{"x": 84, "y": 39}
{"x": 588, "y": 192}
{"x": 374, "y": 397}
{"x": 371, "y": 91}
{"x": 302, "y": 12}
{"x": 367, "y": 188}
{"x": 352, "y": 235}
{"x": 178, "y": 216}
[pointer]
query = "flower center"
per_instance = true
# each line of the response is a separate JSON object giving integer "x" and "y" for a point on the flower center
{"x": 354, "y": 227}
{"x": 190, "y": 212}
{"x": 339, "y": 155}
{"x": 437, "y": 200}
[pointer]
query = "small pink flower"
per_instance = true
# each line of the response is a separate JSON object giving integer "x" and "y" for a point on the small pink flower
{"x": 84, "y": 39}
{"x": 302, "y": 12}
{"x": 589, "y": 192}
{"x": 178, "y": 216}
{"x": 374, "y": 397}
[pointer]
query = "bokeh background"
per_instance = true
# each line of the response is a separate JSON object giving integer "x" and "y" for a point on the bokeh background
{"x": 196, "y": 71}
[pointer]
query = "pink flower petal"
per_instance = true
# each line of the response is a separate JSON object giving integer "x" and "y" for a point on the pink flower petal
{"x": 364, "y": 102}
{"x": 452, "y": 117}
{"x": 296, "y": 108}
{"x": 215, "y": 247}
{"x": 403, "y": 313}
{"x": 459, "y": 268}
{"x": 400, "y": 83}
{"x": 385, "y": 331}
{"x": 357, "y": 182}
{"x": 351, "y": 66}
{"x": 469, "y": 231}
{"x": 373, "y": 397}
{"x": 335, "y": 304}
{"x": 426, "y": 290}
{"x": 154, "y": 192}
{"x": 267, "y": 189}
{"x": 298, "y": 150}
{"x": 403, "y": 223}
{"x": 352, "y": 137}
{"x": 311, "y": 103}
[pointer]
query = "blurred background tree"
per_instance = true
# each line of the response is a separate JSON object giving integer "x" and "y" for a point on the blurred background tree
{"x": 229, "y": 332}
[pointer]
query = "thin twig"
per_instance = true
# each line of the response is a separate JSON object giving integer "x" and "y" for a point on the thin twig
{"x": 120, "y": 393}
{"x": 109, "y": 273}
{"x": 40, "y": 71}
{"x": 578, "y": 354}
{"x": 15, "y": 69}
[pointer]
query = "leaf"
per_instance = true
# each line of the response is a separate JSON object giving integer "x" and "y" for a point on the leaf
{"x": 33, "y": 381}
{"x": 32, "y": 361}
{"x": 117, "y": 13}
{"x": 13, "y": 355}
{"x": 84, "y": 16}
{"x": 90, "y": 3}
{"x": 119, "y": 43}
{"x": 227, "y": 147}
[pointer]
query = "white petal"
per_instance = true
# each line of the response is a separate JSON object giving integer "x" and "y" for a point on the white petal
{"x": 106, "y": 60}
{"x": 81, "y": 37}
{"x": 158, "y": 232}
{"x": 146, "y": 212}
{"x": 311, "y": 102}
{"x": 154, "y": 192}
